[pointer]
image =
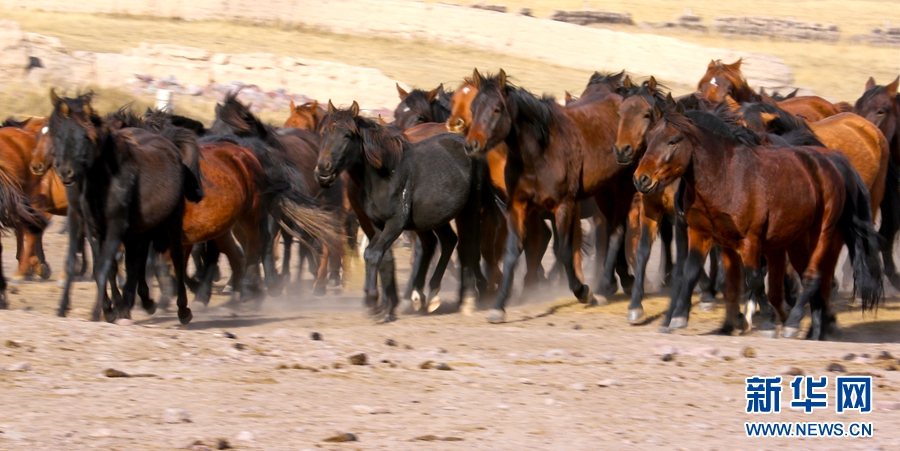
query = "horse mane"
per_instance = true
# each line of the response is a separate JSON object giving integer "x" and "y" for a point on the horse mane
{"x": 652, "y": 96}
{"x": 125, "y": 117}
{"x": 611, "y": 79}
{"x": 10, "y": 122}
{"x": 531, "y": 113}
{"x": 444, "y": 106}
{"x": 245, "y": 123}
{"x": 783, "y": 123}
{"x": 714, "y": 124}
{"x": 88, "y": 120}
{"x": 382, "y": 146}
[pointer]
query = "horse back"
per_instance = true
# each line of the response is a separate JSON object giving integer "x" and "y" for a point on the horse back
{"x": 596, "y": 119}
{"x": 860, "y": 141}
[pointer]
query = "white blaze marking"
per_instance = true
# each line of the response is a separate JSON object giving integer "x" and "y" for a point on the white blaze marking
{"x": 406, "y": 109}
{"x": 45, "y": 130}
{"x": 713, "y": 82}
{"x": 466, "y": 90}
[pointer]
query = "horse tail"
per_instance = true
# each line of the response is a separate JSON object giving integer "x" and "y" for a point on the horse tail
{"x": 186, "y": 142}
{"x": 15, "y": 210}
{"x": 863, "y": 242}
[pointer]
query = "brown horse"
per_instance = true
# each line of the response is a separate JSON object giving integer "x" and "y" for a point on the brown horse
{"x": 420, "y": 107}
{"x": 801, "y": 201}
{"x": 866, "y": 149}
{"x": 722, "y": 80}
{"x": 306, "y": 116}
{"x": 556, "y": 157}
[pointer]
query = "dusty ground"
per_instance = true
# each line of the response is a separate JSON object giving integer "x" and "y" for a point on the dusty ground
{"x": 529, "y": 384}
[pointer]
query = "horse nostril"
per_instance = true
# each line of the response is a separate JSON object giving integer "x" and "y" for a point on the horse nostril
{"x": 460, "y": 123}
{"x": 626, "y": 150}
{"x": 327, "y": 166}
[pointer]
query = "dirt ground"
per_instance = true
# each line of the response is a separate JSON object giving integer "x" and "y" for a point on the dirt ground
{"x": 556, "y": 376}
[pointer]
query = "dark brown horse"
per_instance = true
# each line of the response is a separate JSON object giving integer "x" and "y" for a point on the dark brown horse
{"x": 556, "y": 157}
{"x": 420, "y": 107}
{"x": 798, "y": 201}
{"x": 722, "y": 80}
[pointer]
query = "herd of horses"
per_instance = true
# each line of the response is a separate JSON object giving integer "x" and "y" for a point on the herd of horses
{"x": 765, "y": 187}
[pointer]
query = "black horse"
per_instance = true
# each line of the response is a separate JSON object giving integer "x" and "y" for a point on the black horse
{"x": 420, "y": 107}
{"x": 130, "y": 187}
{"x": 408, "y": 186}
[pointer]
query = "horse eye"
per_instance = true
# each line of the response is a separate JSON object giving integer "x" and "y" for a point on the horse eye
{"x": 674, "y": 141}
{"x": 496, "y": 110}
{"x": 647, "y": 116}
{"x": 880, "y": 112}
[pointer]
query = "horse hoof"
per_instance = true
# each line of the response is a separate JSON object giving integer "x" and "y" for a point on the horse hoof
{"x": 319, "y": 291}
{"x": 598, "y": 301}
{"x": 434, "y": 304}
{"x": 635, "y": 315}
{"x": 16, "y": 279}
{"x": 706, "y": 306}
{"x": 150, "y": 308}
{"x": 588, "y": 296}
{"x": 388, "y": 318}
{"x": 227, "y": 289}
{"x": 496, "y": 316}
{"x": 43, "y": 270}
{"x": 790, "y": 332}
{"x": 664, "y": 330}
{"x": 185, "y": 316}
{"x": 678, "y": 322}
{"x": 768, "y": 333}
{"x": 416, "y": 300}
{"x": 467, "y": 306}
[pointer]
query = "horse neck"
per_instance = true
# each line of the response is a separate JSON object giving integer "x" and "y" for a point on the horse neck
{"x": 711, "y": 157}
{"x": 744, "y": 93}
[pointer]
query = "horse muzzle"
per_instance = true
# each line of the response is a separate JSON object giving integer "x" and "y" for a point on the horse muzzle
{"x": 645, "y": 184}
{"x": 624, "y": 155}
{"x": 38, "y": 169}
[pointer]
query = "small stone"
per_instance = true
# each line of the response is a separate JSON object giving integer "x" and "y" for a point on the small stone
{"x": 390, "y": 342}
{"x": 850, "y": 356}
{"x": 360, "y": 358}
{"x": 431, "y": 365}
{"x": 229, "y": 335}
{"x": 123, "y": 322}
{"x": 174, "y": 416}
{"x": 887, "y": 405}
{"x": 315, "y": 336}
{"x": 222, "y": 444}
{"x": 340, "y": 438}
{"x": 408, "y": 347}
{"x": 503, "y": 407}
{"x": 110, "y": 372}
{"x": 525, "y": 381}
{"x": 835, "y": 368}
{"x": 245, "y": 436}
{"x": 607, "y": 383}
{"x": 19, "y": 367}
{"x": 240, "y": 346}
{"x": 197, "y": 445}
{"x": 13, "y": 344}
{"x": 576, "y": 326}
{"x": 551, "y": 324}
{"x": 884, "y": 355}
{"x": 748, "y": 352}
{"x": 862, "y": 360}
{"x": 549, "y": 402}
{"x": 791, "y": 371}
{"x": 728, "y": 399}
{"x": 579, "y": 386}
{"x": 667, "y": 357}
{"x": 101, "y": 433}
{"x": 362, "y": 409}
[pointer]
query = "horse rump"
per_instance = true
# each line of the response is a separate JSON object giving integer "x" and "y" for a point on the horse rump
{"x": 186, "y": 142}
{"x": 15, "y": 210}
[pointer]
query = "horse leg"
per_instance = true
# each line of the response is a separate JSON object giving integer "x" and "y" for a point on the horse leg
{"x": 424, "y": 250}
{"x": 227, "y": 245}
{"x": 268, "y": 233}
{"x": 468, "y": 223}
{"x": 648, "y": 232}
{"x": 823, "y": 320}
{"x": 105, "y": 265}
{"x": 373, "y": 256}
{"x": 448, "y": 239}
{"x": 76, "y": 242}
{"x": 20, "y": 273}
{"x": 800, "y": 257}
{"x": 536, "y": 238}
{"x": 666, "y": 224}
{"x": 625, "y": 279}
{"x": 251, "y": 280}
{"x": 567, "y": 220}
{"x": 418, "y": 265}
{"x": 287, "y": 249}
{"x": 321, "y": 283}
{"x": 27, "y": 253}
{"x": 606, "y": 285}
{"x": 205, "y": 276}
{"x": 756, "y": 285}
{"x": 4, "y": 304}
{"x": 733, "y": 284}
{"x": 517, "y": 212}
{"x": 175, "y": 229}
{"x": 136, "y": 250}
{"x": 680, "y": 306}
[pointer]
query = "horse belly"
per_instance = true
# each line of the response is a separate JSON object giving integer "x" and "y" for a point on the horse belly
{"x": 222, "y": 206}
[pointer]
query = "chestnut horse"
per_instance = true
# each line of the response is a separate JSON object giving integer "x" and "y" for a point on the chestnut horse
{"x": 866, "y": 149}
{"x": 880, "y": 105}
{"x": 721, "y": 80}
{"x": 556, "y": 157}
{"x": 306, "y": 116}
{"x": 801, "y": 201}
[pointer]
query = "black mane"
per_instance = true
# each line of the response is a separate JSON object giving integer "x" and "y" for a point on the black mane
{"x": 530, "y": 113}
{"x": 717, "y": 126}
{"x": 244, "y": 123}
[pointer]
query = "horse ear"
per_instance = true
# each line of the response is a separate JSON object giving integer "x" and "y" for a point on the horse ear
{"x": 769, "y": 100}
{"x": 440, "y": 90}
{"x": 670, "y": 101}
{"x": 712, "y": 64}
{"x": 762, "y": 91}
{"x": 892, "y": 88}
{"x": 54, "y": 98}
{"x": 402, "y": 92}
{"x": 732, "y": 104}
{"x": 88, "y": 111}
{"x": 293, "y": 107}
{"x": 627, "y": 82}
{"x": 652, "y": 82}
{"x": 501, "y": 79}
{"x": 331, "y": 107}
{"x": 792, "y": 94}
{"x": 737, "y": 64}
{"x": 354, "y": 109}
{"x": 315, "y": 105}
{"x": 568, "y": 97}
{"x": 381, "y": 120}
{"x": 476, "y": 79}
{"x": 870, "y": 83}
{"x": 679, "y": 108}
{"x": 432, "y": 94}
